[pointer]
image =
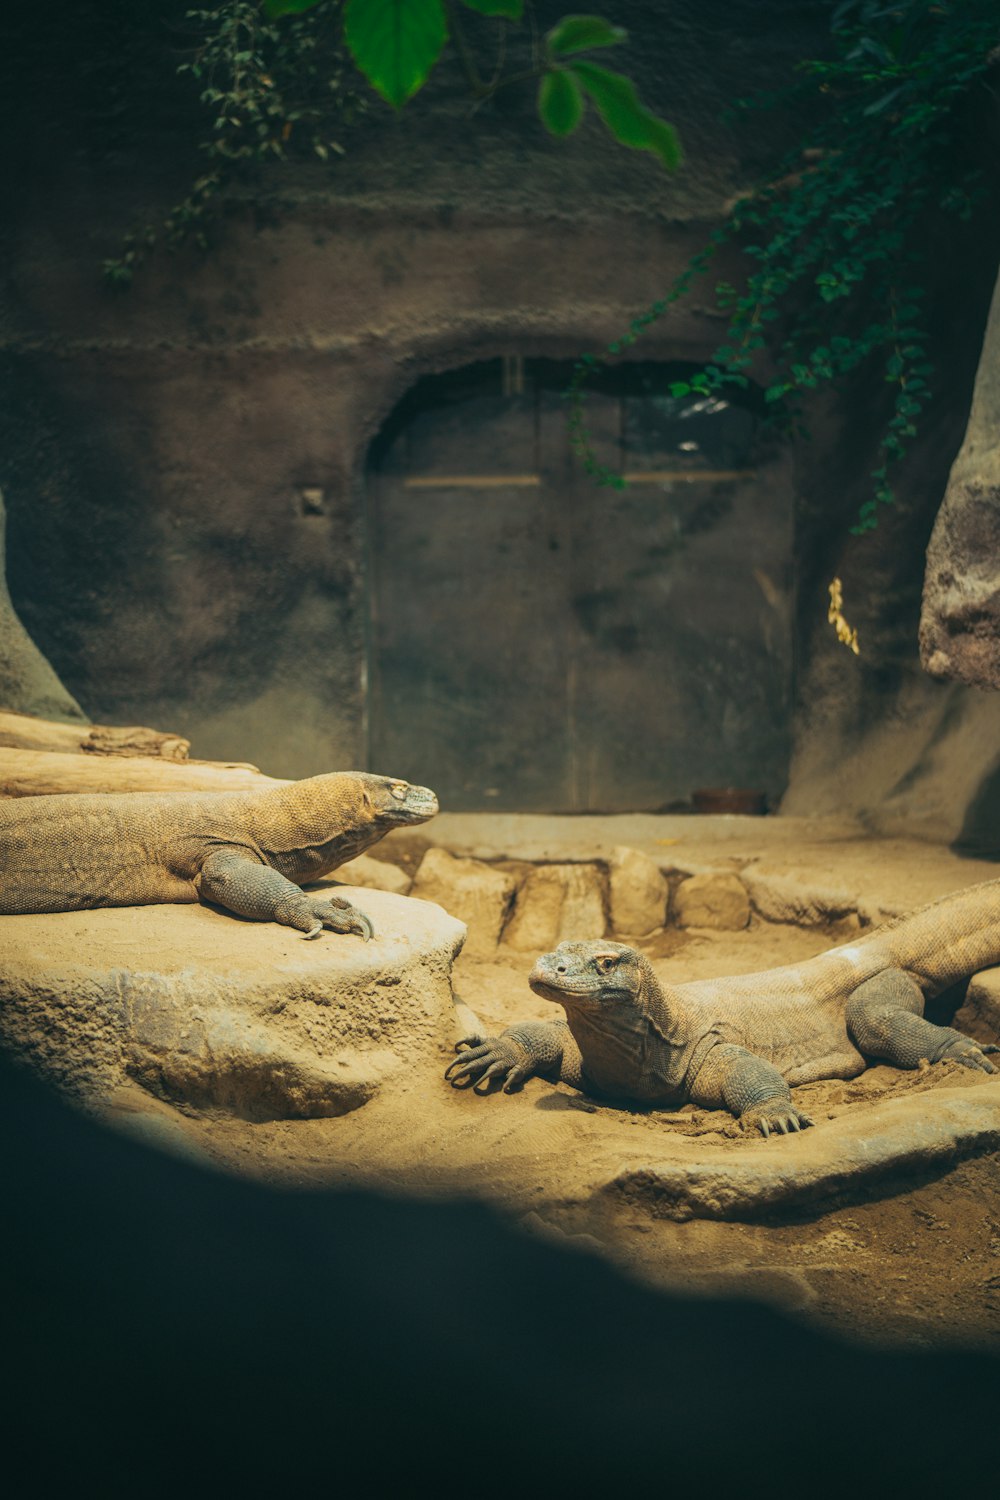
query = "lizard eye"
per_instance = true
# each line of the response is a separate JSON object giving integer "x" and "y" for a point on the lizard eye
{"x": 399, "y": 790}
{"x": 605, "y": 962}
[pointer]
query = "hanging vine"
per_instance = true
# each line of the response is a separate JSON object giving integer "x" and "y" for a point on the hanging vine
{"x": 831, "y": 231}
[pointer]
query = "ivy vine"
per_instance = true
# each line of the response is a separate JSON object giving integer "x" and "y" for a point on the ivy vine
{"x": 830, "y": 234}
{"x": 272, "y": 90}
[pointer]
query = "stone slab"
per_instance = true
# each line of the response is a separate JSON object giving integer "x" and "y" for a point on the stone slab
{"x": 840, "y": 1159}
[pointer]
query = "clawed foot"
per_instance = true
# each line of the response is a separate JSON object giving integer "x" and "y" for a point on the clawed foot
{"x": 962, "y": 1049}
{"x": 479, "y": 1062}
{"x": 778, "y": 1115}
{"x": 340, "y": 916}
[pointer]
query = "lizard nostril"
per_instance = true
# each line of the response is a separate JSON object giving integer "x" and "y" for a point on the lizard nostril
{"x": 561, "y": 969}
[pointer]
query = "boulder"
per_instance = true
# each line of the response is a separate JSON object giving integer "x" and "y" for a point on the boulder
{"x": 980, "y": 1012}
{"x": 209, "y": 1011}
{"x": 374, "y": 875}
{"x": 28, "y": 684}
{"x": 556, "y": 904}
{"x": 960, "y": 618}
{"x": 793, "y": 899}
{"x": 717, "y": 901}
{"x": 475, "y": 893}
{"x": 637, "y": 892}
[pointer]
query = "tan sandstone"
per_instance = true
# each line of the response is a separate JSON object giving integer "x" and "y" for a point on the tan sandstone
{"x": 475, "y": 893}
{"x": 374, "y": 875}
{"x": 638, "y": 892}
{"x": 717, "y": 901}
{"x": 557, "y": 904}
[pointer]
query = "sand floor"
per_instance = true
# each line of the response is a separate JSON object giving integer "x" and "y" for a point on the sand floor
{"x": 913, "y": 1260}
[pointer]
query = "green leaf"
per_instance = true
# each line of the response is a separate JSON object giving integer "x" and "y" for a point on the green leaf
{"x": 275, "y": 8}
{"x": 395, "y": 43}
{"x": 560, "y": 102}
{"x": 580, "y": 33}
{"x": 627, "y": 118}
{"x": 512, "y": 9}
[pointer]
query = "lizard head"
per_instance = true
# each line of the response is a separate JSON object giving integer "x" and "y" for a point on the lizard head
{"x": 394, "y": 801}
{"x": 589, "y": 976}
{"x": 310, "y": 827}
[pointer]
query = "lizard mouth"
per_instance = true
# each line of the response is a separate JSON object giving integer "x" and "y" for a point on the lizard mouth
{"x": 543, "y": 983}
{"x": 420, "y": 804}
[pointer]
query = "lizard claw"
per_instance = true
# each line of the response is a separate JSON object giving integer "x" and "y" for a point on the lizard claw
{"x": 777, "y": 1115}
{"x": 969, "y": 1053}
{"x": 341, "y": 916}
{"x": 475, "y": 1066}
{"x": 364, "y": 928}
{"x": 313, "y": 932}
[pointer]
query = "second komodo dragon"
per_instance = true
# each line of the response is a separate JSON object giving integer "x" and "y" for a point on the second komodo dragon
{"x": 738, "y": 1044}
{"x": 247, "y": 851}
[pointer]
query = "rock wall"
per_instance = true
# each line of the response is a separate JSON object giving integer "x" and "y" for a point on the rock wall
{"x": 185, "y": 463}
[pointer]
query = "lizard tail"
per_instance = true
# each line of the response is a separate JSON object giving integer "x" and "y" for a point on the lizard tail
{"x": 949, "y": 939}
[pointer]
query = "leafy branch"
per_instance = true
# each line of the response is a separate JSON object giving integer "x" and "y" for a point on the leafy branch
{"x": 396, "y": 44}
{"x": 274, "y": 74}
{"x": 833, "y": 231}
{"x": 273, "y": 91}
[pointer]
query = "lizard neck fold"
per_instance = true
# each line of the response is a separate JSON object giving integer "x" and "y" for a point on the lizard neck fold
{"x": 634, "y": 1046}
{"x": 311, "y": 827}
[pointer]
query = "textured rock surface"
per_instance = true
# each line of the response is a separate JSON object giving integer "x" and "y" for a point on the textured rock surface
{"x": 718, "y": 901}
{"x": 374, "y": 875}
{"x": 960, "y": 622}
{"x": 791, "y": 898}
{"x": 980, "y": 1013}
{"x": 851, "y": 1155}
{"x": 214, "y": 1012}
{"x": 556, "y": 904}
{"x": 637, "y": 892}
{"x": 473, "y": 892}
{"x": 28, "y": 684}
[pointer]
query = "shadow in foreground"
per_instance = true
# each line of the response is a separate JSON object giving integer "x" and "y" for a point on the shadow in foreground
{"x": 168, "y": 1330}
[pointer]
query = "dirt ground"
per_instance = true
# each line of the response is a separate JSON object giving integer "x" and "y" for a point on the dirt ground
{"x": 912, "y": 1262}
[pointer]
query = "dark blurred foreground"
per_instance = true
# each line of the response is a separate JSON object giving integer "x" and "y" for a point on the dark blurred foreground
{"x": 169, "y": 1331}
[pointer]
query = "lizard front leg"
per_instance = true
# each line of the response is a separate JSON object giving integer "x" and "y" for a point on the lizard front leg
{"x": 233, "y": 879}
{"x": 751, "y": 1088}
{"x": 534, "y": 1047}
{"x": 885, "y": 1020}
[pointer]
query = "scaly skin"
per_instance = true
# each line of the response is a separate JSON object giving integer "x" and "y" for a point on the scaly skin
{"x": 246, "y": 851}
{"x": 739, "y": 1043}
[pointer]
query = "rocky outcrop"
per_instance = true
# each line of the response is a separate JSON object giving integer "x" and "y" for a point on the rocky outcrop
{"x": 960, "y": 622}
{"x": 28, "y": 684}
{"x": 375, "y": 875}
{"x": 208, "y": 1011}
{"x": 475, "y": 893}
{"x": 557, "y": 904}
{"x": 979, "y": 1015}
{"x": 717, "y": 901}
{"x": 637, "y": 892}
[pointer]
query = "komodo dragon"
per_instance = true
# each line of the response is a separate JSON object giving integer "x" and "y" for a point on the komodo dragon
{"x": 738, "y": 1043}
{"x": 241, "y": 850}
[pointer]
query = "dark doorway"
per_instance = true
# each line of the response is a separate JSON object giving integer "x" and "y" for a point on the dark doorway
{"x": 538, "y": 642}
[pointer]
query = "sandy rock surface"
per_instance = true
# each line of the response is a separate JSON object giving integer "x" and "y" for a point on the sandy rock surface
{"x": 717, "y": 901}
{"x": 556, "y": 904}
{"x": 249, "y": 1027}
{"x": 980, "y": 1012}
{"x": 375, "y": 875}
{"x": 637, "y": 892}
{"x": 472, "y": 891}
{"x": 209, "y": 1011}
